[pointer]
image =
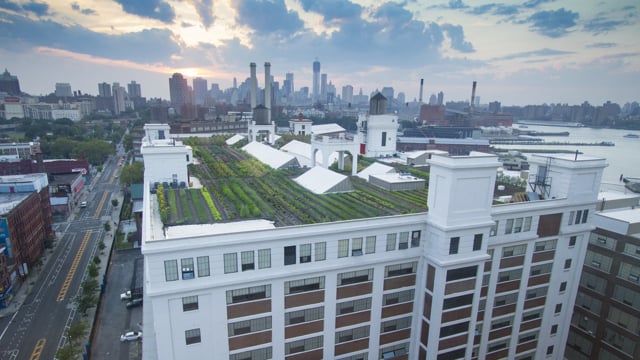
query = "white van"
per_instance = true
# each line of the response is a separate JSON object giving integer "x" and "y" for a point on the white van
{"x": 83, "y": 204}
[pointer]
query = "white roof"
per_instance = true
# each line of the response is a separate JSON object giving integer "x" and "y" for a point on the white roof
{"x": 394, "y": 178}
{"x": 218, "y": 228}
{"x": 319, "y": 180}
{"x": 417, "y": 153}
{"x": 268, "y": 155}
{"x": 326, "y": 129}
{"x": 302, "y": 151}
{"x": 234, "y": 139}
{"x": 374, "y": 169}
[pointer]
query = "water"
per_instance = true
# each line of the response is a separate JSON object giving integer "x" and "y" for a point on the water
{"x": 623, "y": 158}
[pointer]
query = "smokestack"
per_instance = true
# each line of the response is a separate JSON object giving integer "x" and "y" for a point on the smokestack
{"x": 267, "y": 90}
{"x": 253, "y": 85}
{"x": 473, "y": 98}
{"x": 421, "y": 87}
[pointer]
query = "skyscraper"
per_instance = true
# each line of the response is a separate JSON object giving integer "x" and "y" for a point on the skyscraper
{"x": 199, "y": 90}
{"x": 104, "y": 90}
{"x": 63, "y": 90}
{"x": 316, "y": 80}
{"x": 119, "y": 95}
{"x": 9, "y": 83}
{"x": 347, "y": 94}
{"x": 178, "y": 91}
{"x": 134, "y": 90}
{"x": 323, "y": 88}
{"x": 289, "y": 87}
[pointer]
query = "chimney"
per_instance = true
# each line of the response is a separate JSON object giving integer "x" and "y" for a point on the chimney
{"x": 421, "y": 87}
{"x": 267, "y": 90}
{"x": 253, "y": 85}
{"x": 473, "y": 98}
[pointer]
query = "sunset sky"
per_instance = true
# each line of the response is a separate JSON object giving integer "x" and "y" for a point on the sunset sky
{"x": 519, "y": 52}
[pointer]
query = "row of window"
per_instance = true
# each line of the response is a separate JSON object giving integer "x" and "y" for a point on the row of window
{"x": 454, "y": 244}
{"x": 172, "y": 273}
{"x": 578, "y": 217}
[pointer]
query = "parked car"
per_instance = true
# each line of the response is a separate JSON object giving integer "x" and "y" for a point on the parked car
{"x": 134, "y": 302}
{"x": 131, "y": 336}
{"x": 83, "y": 204}
{"x": 125, "y": 295}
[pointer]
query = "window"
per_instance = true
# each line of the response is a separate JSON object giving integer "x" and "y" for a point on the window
{"x": 558, "y": 308}
{"x": 458, "y": 301}
{"x": 454, "y": 329}
{"x": 554, "y": 329}
{"x": 249, "y": 326}
{"x": 501, "y": 323}
{"x": 303, "y": 345}
{"x": 384, "y": 139}
{"x": 171, "y": 270}
{"x": 192, "y": 336}
{"x": 550, "y": 350}
{"x": 186, "y": 265}
{"x": 303, "y": 285}
{"x": 629, "y": 272}
{"x": 541, "y": 269}
{"x": 578, "y": 217}
{"x": 259, "y": 354}
{"x": 397, "y": 324}
{"x": 370, "y": 246}
{"x": 343, "y": 248}
{"x": 494, "y": 229}
{"x": 563, "y": 286}
{"x": 353, "y": 306}
{"x": 462, "y": 273}
{"x": 509, "y": 275}
{"x": 545, "y": 245}
{"x": 415, "y": 238}
{"x": 352, "y": 334}
{"x": 398, "y": 297}
{"x": 532, "y": 315}
{"x": 264, "y": 258}
{"x": 190, "y": 303}
{"x": 627, "y": 296}
{"x": 302, "y": 316}
{"x": 391, "y": 242}
{"x": 506, "y": 299}
{"x": 454, "y": 243}
{"x": 354, "y": 277}
{"x": 321, "y": 251}
{"x": 527, "y": 224}
{"x": 508, "y": 229}
{"x": 567, "y": 264}
{"x": 572, "y": 241}
{"x": 247, "y": 259}
{"x": 536, "y": 293}
{"x": 356, "y": 247}
{"x": 495, "y": 347}
{"x": 517, "y": 227}
{"x": 400, "y": 269}
{"x": 527, "y": 338}
{"x": 404, "y": 241}
{"x": 393, "y": 351}
{"x": 230, "y": 263}
{"x": 477, "y": 242}
{"x": 305, "y": 253}
{"x": 516, "y": 250}
{"x": 203, "y": 266}
{"x": 248, "y": 294}
{"x": 289, "y": 255}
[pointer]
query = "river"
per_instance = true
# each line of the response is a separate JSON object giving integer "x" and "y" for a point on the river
{"x": 623, "y": 158}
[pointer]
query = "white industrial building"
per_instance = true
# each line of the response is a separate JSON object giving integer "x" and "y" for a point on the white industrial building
{"x": 467, "y": 279}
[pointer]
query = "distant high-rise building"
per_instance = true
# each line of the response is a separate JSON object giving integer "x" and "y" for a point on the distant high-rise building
{"x": 323, "y": 88}
{"x": 178, "y": 91}
{"x": 316, "y": 80}
{"x": 347, "y": 94}
{"x": 235, "y": 83}
{"x": 388, "y": 93}
{"x": 9, "y": 83}
{"x": 440, "y": 98}
{"x": 494, "y": 107}
{"x": 199, "y": 90}
{"x": 400, "y": 97}
{"x": 63, "y": 90}
{"x": 119, "y": 95}
{"x": 288, "y": 86}
{"x": 433, "y": 100}
{"x": 134, "y": 90}
{"x": 104, "y": 90}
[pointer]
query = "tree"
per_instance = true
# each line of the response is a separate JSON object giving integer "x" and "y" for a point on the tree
{"x": 107, "y": 226}
{"x": 76, "y": 332}
{"x": 86, "y": 301}
{"x": 67, "y": 352}
{"x": 132, "y": 174}
{"x": 114, "y": 202}
{"x": 93, "y": 270}
{"x": 89, "y": 286}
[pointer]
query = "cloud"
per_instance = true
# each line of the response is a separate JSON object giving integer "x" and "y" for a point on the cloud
{"x": 602, "y": 25}
{"x": 553, "y": 23}
{"x": 534, "y": 53}
{"x": 38, "y": 8}
{"x": 267, "y": 17}
{"x": 152, "y": 9}
{"x": 145, "y": 46}
{"x": 536, "y": 3}
{"x": 205, "y": 11}
{"x": 76, "y": 7}
{"x": 495, "y": 9}
{"x": 457, "y": 4}
{"x": 456, "y": 34}
{"x": 602, "y": 45}
{"x": 332, "y": 9}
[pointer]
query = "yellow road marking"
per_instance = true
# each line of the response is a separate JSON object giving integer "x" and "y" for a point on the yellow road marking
{"x": 37, "y": 351}
{"x": 74, "y": 267}
{"x": 100, "y": 204}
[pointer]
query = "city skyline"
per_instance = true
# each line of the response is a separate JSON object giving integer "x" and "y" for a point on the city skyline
{"x": 540, "y": 51}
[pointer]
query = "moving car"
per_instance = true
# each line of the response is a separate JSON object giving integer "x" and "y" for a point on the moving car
{"x": 134, "y": 303}
{"x": 125, "y": 295}
{"x": 131, "y": 336}
{"x": 83, "y": 204}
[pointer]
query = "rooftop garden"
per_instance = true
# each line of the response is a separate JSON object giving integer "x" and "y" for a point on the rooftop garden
{"x": 236, "y": 186}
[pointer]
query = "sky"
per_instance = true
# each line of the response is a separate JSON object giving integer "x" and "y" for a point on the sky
{"x": 519, "y": 52}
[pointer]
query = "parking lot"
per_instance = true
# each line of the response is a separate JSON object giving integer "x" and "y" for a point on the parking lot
{"x": 115, "y": 318}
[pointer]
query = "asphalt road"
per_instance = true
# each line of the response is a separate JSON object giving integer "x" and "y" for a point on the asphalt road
{"x": 36, "y": 330}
